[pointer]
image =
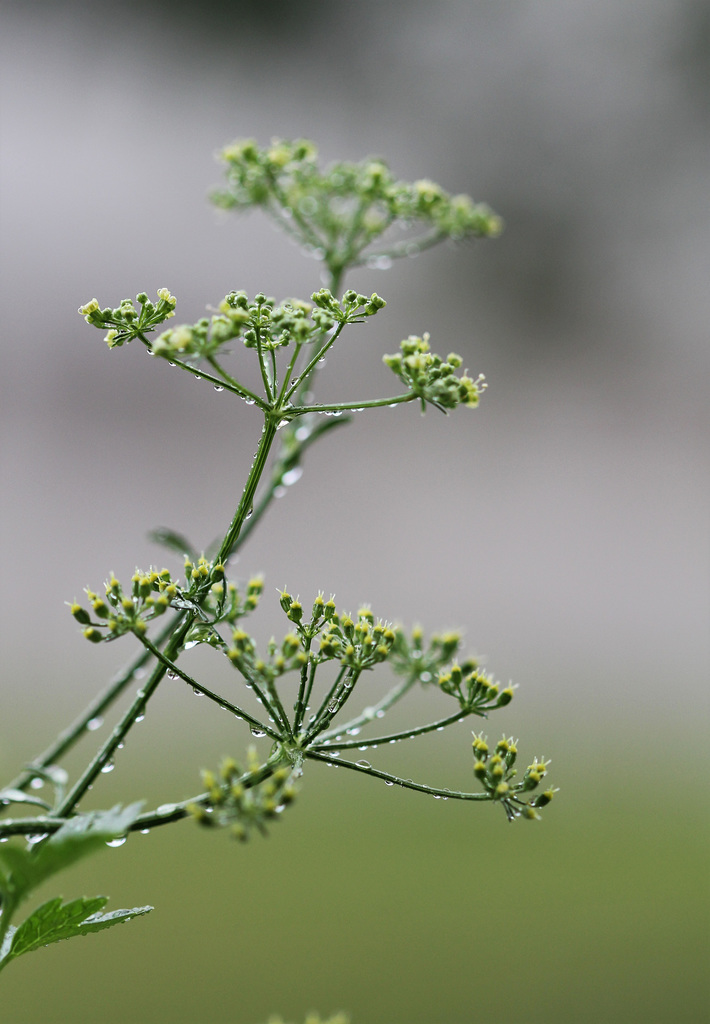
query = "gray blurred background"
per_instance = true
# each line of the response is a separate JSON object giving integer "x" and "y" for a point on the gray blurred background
{"x": 563, "y": 523}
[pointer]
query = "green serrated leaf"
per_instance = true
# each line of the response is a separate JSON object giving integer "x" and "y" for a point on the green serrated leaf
{"x": 54, "y": 921}
{"x": 77, "y": 838}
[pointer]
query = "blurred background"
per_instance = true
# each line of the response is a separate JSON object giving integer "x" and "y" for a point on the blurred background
{"x": 563, "y": 524}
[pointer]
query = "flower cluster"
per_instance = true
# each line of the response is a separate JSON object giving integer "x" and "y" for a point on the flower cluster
{"x": 474, "y": 689}
{"x": 263, "y": 324}
{"x": 284, "y": 657}
{"x": 151, "y": 594}
{"x": 413, "y": 658}
{"x": 353, "y": 309}
{"x": 358, "y": 642}
{"x": 338, "y": 212}
{"x": 432, "y": 378}
{"x": 125, "y": 322}
{"x": 243, "y": 800}
{"x": 496, "y": 772}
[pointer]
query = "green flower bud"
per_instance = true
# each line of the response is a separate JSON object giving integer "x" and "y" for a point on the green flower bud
{"x": 295, "y": 611}
{"x": 93, "y": 635}
{"x": 100, "y": 608}
{"x": 80, "y": 614}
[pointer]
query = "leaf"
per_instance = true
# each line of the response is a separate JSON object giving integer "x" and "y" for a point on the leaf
{"x": 16, "y": 796}
{"x": 173, "y": 541}
{"x": 77, "y": 838}
{"x": 54, "y": 921}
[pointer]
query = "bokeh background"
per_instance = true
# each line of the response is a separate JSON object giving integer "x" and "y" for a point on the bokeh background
{"x": 564, "y": 523}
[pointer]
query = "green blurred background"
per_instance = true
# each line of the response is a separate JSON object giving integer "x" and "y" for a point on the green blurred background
{"x": 564, "y": 523}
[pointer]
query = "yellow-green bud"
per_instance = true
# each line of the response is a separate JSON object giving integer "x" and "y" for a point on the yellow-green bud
{"x": 80, "y": 614}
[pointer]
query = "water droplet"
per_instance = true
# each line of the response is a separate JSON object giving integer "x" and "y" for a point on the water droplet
{"x": 353, "y": 732}
{"x": 121, "y": 746}
{"x": 198, "y": 376}
{"x": 393, "y": 741}
{"x": 333, "y": 706}
{"x": 190, "y": 644}
{"x": 389, "y": 782}
{"x": 440, "y": 728}
{"x": 291, "y": 476}
{"x": 94, "y": 723}
{"x": 37, "y": 783}
{"x": 119, "y": 841}
{"x": 279, "y": 491}
{"x": 172, "y": 674}
{"x": 198, "y": 693}
{"x": 139, "y": 673}
{"x": 171, "y": 364}
{"x": 4, "y": 839}
{"x": 363, "y": 764}
{"x": 425, "y": 677}
{"x": 380, "y": 714}
{"x": 31, "y": 840}
{"x": 302, "y": 433}
{"x": 257, "y": 732}
{"x": 437, "y": 796}
{"x": 249, "y": 514}
{"x": 145, "y": 831}
{"x": 108, "y": 767}
{"x": 249, "y": 401}
{"x": 322, "y": 361}
{"x": 379, "y": 262}
{"x": 218, "y": 387}
{"x": 166, "y": 809}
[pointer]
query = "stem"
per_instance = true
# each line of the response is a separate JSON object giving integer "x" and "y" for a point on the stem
{"x": 338, "y": 694}
{"x": 308, "y": 674}
{"x": 305, "y": 374}
{"x": 395, "y": 779}
{"x": 395, "y": 694}
{"x": 245, "y": 505}
{"x": 373, "y": 403}
{"x": 400, "y": 249}
{"x": 171, "y": 666}
{"x": 419, "y": 730}
{"x": 226, "y": 380}
{"x": 122, "y": 728}
{"x": 71, "y": 735}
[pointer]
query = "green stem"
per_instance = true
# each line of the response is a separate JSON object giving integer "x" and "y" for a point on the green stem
{"x": 172, "y": 666}
{"x": 395, "y": 694}
{"x": 73, "y": 733}
{"x": 122, "y": 728}
{"x": 419, "y": 730}
{"x": 400, "y": 249}
{"x": 308, "y": 674}
{"x": 227, "y": 381}
{"x": 305, "y": 375}
{"x": 395, "y": 779}
{"x": 373, "y": 403}
{"x": 245, "y": 506}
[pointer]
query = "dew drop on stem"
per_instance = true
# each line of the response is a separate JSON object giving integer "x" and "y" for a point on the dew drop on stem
{"x": 108, "y": 767}
{"x": 94, "y": 723}
{"x": 257, "y": 732}
{"x": 119, "y": 841}
{"x": 218, "y": 387}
